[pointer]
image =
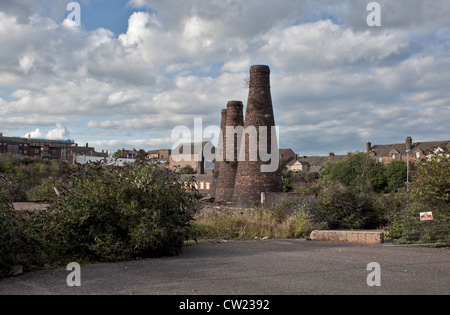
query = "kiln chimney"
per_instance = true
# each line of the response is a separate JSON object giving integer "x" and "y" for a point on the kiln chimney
{"x": 252, "y": 177}
{"x": 220, "y": 155}
{"x": 228, "y": 168}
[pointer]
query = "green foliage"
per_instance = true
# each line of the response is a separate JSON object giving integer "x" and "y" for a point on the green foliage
{"x": 395, "y": 173}
{"x": 45, "y": 192}
{"x": 188, "y": 170}
{"x": 286, "y": 175}
{"x": 429, "y": 191}
{"x": 117, "y": 154}
{"x": 301, "y": 215}
{"x": 110, "y": 213}
{"x": 345, "y": 207}
{"x": 25, "y": 173}
{"x": 10, "y": 236}
{"x": 361, "y": 171}
{"x": 358, "y": 170}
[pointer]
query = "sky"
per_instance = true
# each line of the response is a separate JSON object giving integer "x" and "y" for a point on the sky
{"x": 133, "y": 70}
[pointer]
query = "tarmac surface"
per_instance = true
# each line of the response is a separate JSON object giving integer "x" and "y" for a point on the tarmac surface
{"x": 271, "y": 267}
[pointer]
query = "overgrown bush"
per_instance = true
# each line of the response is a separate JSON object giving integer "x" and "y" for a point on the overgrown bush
{"x": 45, "y": 191}
{"x": 11, "y": 252}
{"x": 289, "y": 219}
{"x": 429, "y": 192}
{"x": 301, "y": 217}
{"x": 345, "y": 207}
{"x": 25, "y": 173}
{"x": 361, "y": 171}
{"x": 110, "y": 213}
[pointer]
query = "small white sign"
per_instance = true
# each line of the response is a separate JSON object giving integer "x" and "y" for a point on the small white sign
{"x": 426, "y": 216}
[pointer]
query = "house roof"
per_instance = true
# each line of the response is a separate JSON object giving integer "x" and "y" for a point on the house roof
{"x": 318, "y": 162}
{"x": 386, "y": 150}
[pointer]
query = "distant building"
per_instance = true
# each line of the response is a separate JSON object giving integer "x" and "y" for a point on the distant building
{"x": 397, "y": 152}
{"x": 44, "y": 148}
{"x": 131, "y": 154}
{"x": 85, "y": 151}
{"x": 313, "y": 164}
{"x": 288, "y": 155}
{"x": 159, "y": 154}
{"x": 192, "y": 154}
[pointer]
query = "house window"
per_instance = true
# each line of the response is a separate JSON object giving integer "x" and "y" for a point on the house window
{"x": 36, "y": 151}
{"x": 380, "y": 160}
{"x": 393, "y": 156}
{"x": 417, "y": 155}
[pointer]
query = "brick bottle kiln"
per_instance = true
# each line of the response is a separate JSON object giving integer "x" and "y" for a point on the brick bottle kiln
{"x": 250, "y": 180}
{"x": 228, "y": 168}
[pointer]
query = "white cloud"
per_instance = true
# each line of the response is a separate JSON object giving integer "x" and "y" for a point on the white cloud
{"x": 34, "y": 134}
{"x": 334, "y": 80}
{"x": 60, "y": 132}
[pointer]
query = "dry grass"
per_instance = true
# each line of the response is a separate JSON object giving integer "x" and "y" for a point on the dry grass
{"x": 212, "y": 222}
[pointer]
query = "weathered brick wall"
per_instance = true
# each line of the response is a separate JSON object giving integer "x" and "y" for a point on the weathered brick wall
{"x": 250, "y": 181}
{"x": 274, "y": 198}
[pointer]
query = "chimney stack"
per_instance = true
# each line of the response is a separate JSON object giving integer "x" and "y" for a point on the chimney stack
{"x": 228, "y": 168}
{"x": 408, "y": 143}
{"x": 331, "y": 154}
{"x": 87, "y": 145}
{"x": 368, "y": 147}
{"x": 250, "y": 180}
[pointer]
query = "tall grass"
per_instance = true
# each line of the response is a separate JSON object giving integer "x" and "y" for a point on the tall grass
{"x": 291, "y": 219}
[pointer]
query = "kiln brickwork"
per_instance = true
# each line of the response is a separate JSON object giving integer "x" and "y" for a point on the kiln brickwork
{"x": 228, "y": 168}
{"x": 220, "y": 151}
{"x": 250, "y": 180}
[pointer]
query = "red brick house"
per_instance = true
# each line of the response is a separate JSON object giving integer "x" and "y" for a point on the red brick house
{"x": 417, "y": 150}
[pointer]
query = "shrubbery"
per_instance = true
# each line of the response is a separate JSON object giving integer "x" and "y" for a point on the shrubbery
{"x": 289, "y": 219}
{"x": 10, "y": 236}
{"x": 361, "y": 171}
{"x": 346, "y": 207}
{"x": 429, "y": 192}
{"x": 26, "y": 173}
{"x": 104, "y": 213}
{"x": 110, "y": 213}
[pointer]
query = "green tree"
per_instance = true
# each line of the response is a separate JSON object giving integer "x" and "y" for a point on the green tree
{"x": 117, "y": 154}
{"x": 287, "y": 176}
{"x": 189, "y": 170}
{"x": 358, "y": 170}
{"x": 429, "y": 191}
{"x": 395, "y": 175}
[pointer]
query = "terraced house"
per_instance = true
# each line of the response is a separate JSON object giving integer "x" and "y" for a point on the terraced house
{"x": 412, "y": 151}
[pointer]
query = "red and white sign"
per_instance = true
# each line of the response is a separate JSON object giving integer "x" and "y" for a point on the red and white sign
{"x": 426, "y": 216}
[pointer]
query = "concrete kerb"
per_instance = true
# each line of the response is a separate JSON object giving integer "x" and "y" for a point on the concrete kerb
{"x": 349, "y": 236}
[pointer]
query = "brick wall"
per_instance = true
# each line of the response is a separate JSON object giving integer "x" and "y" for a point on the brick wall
{"x": 274, "y": 198}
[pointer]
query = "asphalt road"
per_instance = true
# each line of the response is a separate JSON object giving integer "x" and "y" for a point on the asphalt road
{"x": 272, "y": 267}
